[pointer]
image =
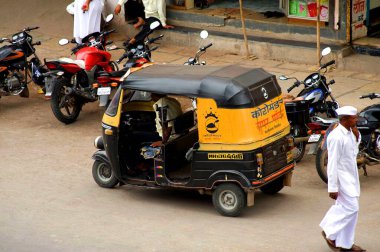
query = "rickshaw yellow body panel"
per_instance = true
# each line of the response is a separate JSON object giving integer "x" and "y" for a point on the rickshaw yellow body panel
{"x": 240, "y": 129}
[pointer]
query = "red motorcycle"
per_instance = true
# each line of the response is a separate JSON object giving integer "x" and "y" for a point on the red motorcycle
{"x": 71, "y": 80}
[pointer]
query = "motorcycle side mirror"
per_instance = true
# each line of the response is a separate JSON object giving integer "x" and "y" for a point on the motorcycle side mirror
{"x": 283, "y": 77}
{"x": 204, "y": 34}
{"x": 63, "y": 42}
{"x": 109, "y": 18}
{"x": 326, "y": 51}
{"x": 154, "y": 25}
{"x": 112, "y": 47}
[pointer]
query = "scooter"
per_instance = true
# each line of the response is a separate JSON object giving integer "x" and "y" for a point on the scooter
{"x": 15, "y": 67}
{"x": 369, "y": 148}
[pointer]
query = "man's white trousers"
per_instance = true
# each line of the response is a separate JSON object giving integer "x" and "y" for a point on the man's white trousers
{"x": 340, "y": 220}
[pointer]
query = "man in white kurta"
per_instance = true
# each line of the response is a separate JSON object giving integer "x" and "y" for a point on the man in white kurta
{"x": 343, "y": 182}
{"x": 87, "y": 17}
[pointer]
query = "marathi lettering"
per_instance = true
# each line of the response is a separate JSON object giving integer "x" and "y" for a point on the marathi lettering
{"x": 359, "y": 6}
{"x": 266, "y": 108}
{"x": 238, "y": 156}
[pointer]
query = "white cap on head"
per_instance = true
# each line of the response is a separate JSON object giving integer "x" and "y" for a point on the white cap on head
{"x": 346, "y": 110}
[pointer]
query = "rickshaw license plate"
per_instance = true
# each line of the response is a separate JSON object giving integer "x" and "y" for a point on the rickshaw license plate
{"x": 104, "y": 91}
{"x": 314, "y": 138}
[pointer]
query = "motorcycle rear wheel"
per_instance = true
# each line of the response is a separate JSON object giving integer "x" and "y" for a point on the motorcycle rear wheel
{"x": 321, "y": 163}
{"x": 299, "y": 147}
{"x": 65, "y": 107}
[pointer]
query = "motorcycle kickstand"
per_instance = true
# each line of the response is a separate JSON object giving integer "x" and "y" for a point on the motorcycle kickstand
{"x": 365, "y": 170}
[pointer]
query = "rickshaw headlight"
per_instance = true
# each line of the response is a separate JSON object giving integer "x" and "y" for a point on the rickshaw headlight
{"x": 99, "y": 143}
{"x": 259, "y": 159}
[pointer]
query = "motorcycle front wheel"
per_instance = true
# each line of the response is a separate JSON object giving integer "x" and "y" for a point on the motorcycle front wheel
{"x": 321, "y": 163}
{"x": 65, "y": 105}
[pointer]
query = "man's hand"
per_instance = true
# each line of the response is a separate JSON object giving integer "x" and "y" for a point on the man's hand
{"x": 85, "y": 6}
{"x": 356, "y": 132}
{"x": 156, "y": 144}
{"x": 169, "y": 27}
{"x": 333, "y": 195}
{"x": 117, "y": 9}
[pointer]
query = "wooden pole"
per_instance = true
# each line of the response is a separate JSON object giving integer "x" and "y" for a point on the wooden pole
{"x": 318, "y": 33}
{"x": 243, "y": 27}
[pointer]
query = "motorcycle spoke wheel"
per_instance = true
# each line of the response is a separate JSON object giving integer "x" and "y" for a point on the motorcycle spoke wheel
{"x": 66, "y": 107}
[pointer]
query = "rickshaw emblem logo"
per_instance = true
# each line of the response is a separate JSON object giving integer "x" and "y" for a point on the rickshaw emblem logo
{"x": 265, "y": 93}
{"x": 212, "y": 123}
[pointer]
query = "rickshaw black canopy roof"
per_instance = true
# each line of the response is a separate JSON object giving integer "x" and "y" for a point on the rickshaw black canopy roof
{"x": 230, "y": 86}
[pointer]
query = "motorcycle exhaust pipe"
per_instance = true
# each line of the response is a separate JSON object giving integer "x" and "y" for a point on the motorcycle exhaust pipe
{"x": 301, "y": 139}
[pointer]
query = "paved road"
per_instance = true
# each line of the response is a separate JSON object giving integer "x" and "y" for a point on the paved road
{"x": 49, "y": 201}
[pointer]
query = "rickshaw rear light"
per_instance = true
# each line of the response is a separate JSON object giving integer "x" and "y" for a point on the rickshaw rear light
{"x": 95, "y": 85}
{"x": 114, "y": 84}
{"x": 290, "y": 143}
{"x": 259, "y": 158}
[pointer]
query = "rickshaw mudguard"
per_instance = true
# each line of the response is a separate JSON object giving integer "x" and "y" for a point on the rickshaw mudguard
{"x": 101, "y": 155}
{"x": 223, "y": 176}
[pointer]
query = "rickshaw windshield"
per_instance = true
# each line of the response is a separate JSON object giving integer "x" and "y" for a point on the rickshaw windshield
{"x": 112, "y": 108}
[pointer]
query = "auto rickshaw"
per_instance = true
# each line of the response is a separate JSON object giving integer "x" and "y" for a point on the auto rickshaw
{"x": 233, "y": 140}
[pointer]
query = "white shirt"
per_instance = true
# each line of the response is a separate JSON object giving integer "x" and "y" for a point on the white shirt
{"x": 153, "y": 8}
{"x": 342, "y": 170}
{"x": 173, "y": 111}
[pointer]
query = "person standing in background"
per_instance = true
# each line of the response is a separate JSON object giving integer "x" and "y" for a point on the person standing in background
{"x": 339, "y": 223}
{"x": 155, "y": 10}
{"x": 87, "y": 17}
{"x": 133, "y": 10}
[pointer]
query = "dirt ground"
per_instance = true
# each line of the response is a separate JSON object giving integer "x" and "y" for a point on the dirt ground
{"x": 49, "y": 201}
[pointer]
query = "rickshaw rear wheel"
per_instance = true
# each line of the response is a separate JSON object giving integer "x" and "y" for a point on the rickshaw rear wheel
{"x": 274, "y": 186}
{"x": 229, "y": 199}
{"x": 103, "y": 174}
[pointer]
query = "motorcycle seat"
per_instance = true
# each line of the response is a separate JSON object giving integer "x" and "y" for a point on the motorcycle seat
{"x": 113, "y": 74}
{"x": 79, "y": 63}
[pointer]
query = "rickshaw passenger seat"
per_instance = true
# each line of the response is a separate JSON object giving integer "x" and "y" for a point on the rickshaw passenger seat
{"x": 184, "y": 122}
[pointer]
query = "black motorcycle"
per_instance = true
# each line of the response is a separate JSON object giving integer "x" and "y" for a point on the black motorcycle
{"x": 15, "y": 66}
{"x": 195, "y": 61}
{"x": 369, "y": 148}
{"x": 310, "y": 106}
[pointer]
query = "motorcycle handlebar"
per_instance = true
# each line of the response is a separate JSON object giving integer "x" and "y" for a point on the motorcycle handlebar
{"x": 31, "y": 28}
{"x": 125, "y": 55}
{"x": 328, "y": 64}
{"x": 152, "y": 40}
{"x": 108, "y": 32}
{"x": 370, "y": 96}
{"x": 296, "y": 84}
{"x": 37, "y": 43}
{"x": 207, "y": 46}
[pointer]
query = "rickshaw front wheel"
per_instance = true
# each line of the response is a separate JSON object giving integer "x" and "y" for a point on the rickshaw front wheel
{"x": 229, "y": 199}
{"x": 103, "y": 174}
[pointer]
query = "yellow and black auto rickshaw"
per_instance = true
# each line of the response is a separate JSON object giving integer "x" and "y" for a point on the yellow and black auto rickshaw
{"x": 233, "y": 140}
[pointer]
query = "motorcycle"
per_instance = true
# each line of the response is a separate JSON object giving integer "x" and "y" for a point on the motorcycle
{"x": 137, "y": 55}
{"x": 72, "y": 80}
{"x": 195, "y": 61}
{"x": 15, "y": 67}
{"x": 305, "y": 111}
{"x": 369, "y": 148}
